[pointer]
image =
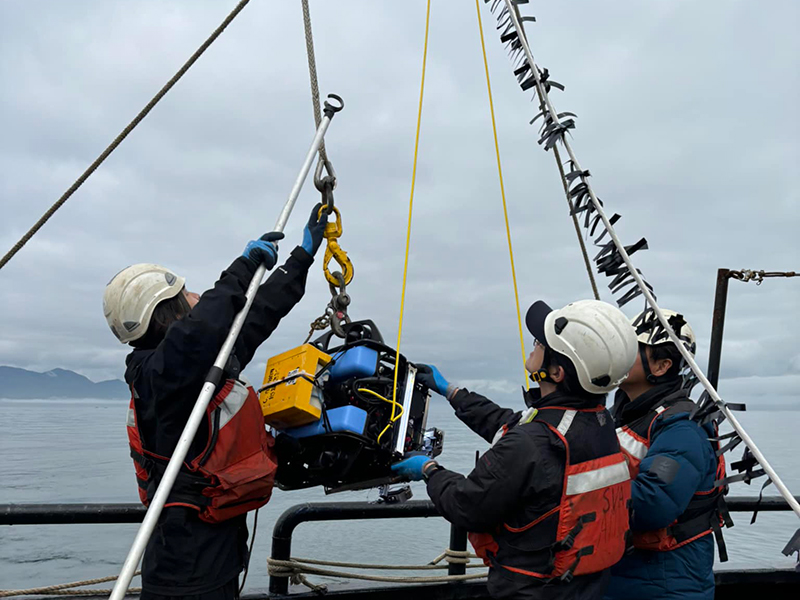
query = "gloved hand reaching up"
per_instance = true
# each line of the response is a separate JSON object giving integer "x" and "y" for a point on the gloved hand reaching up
{"x": 263, "y": 250}
{"x": 429, "y": 376}
{"x": 411, "y": 468}
{"x": 314, "y": 230}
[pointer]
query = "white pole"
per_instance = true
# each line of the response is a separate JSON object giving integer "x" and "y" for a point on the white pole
{"x": 213, "y": 377}
{"x": 776, "y": 480}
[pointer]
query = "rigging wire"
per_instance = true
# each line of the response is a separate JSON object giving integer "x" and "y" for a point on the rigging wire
{"x": 312, "y": 74}
{"x": 586, "y": 261}
{"x": 411, "y": 206}
{"x": 119, "y": 139}
{"x": 503, "y": 195}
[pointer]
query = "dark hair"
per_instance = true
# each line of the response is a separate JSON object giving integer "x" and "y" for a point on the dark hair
{"x": 165, "y": 314}
{"x": 668, "y": 350}
{"x": 571, "y": 384}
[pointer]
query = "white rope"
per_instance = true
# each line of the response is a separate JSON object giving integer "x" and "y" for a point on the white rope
{"x": 295, "y": 568}
{"x": 63, "y": 589}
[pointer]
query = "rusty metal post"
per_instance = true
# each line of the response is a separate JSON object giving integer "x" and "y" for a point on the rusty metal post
{"x": 718, "y": 325}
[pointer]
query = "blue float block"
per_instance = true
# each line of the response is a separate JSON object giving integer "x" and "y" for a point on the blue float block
{"x": 344, "y": 418}
{"x": 358, "y": 361}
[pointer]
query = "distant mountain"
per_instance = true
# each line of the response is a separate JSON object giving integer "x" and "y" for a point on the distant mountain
{"x": 58, "y": 383}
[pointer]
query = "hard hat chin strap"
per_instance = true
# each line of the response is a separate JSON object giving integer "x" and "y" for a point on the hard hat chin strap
{"x": 653, "y": 379}
{"x": 648, "y": 374}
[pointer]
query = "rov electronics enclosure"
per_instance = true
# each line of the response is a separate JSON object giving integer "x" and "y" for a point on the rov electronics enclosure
{"x": 289, "y": 397}
{"x": 336, "y": 423}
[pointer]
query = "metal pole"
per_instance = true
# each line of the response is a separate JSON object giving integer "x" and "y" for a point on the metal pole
{"x": 458, "y": 541}
{"x": 687, "y": 356}
{"x": 718, "y": 325}
{"x": 212, "y": 379}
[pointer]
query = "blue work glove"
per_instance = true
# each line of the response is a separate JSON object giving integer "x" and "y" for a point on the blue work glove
{"x": 429, "y": 376}
{"x": 411, "y": 468}
{"x": 315, "y": 228}
{"x": 263, "y": 250}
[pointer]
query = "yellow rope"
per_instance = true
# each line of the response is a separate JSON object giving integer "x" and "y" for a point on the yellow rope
{"x": 410, "y": 210}
{"x": 503, "y": 194}
{"x": 393, "y": 402}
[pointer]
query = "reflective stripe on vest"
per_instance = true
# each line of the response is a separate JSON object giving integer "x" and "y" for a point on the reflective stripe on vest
{"x": 634, "y": 447}
{"x": 596, "y": 479}
{"x": 590, "y": 534}
{"x": 635, "y": 441}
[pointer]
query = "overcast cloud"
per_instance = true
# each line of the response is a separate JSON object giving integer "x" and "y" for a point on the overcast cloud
{"x": 687, "y": 120}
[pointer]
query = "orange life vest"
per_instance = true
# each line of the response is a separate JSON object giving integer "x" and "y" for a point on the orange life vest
{"x": 592, "y": 512}
{"x": 233, "y": 474}
{"x": 706, "y": 510}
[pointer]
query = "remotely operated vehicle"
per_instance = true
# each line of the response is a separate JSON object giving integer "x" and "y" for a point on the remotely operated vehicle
{"x": 338, "y": 421}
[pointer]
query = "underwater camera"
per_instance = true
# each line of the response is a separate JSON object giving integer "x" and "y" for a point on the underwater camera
{"x": 337, "y": 420}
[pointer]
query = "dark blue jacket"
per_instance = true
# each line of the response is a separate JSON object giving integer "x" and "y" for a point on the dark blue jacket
{"x": 685, "y": 572}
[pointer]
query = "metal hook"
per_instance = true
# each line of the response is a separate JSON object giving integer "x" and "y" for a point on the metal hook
{"x": 331, "y": 109}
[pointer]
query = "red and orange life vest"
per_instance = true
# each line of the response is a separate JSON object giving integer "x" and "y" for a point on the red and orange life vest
{"x": 233, "y": 474}
{"x": 592, "y": 513}
{"x": 704, "y": 514}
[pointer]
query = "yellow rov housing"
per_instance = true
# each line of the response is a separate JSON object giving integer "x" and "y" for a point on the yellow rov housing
{"x": 289, "y": 397}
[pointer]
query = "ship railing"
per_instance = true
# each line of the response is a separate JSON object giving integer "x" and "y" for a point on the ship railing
{"x": 285, "y": 525}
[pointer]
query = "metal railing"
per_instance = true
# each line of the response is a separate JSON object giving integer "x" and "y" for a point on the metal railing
{"x": 283, "y": 530}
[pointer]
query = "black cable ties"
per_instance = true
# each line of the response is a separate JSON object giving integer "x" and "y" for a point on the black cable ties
{"x": 747, "y": 462}
{"x": 507, "y": 37}
{"x": 554, "y": 126}
{"x": 721, "y": 438}
{"x": 760, "y": 498}
{"x": 640, "y": 245}
{"x": 539, "y": 115}
{"x": 735, "y": 441}
{"x": 528, "y": 84}
{"x": 573, "y": 174}
{"x": 608, "y": 248}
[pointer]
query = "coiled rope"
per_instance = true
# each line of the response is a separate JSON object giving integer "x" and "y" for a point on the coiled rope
{"x": 295, "y": 568}
{"x": 118, "y": 140}
{"x": 64, "y": 589}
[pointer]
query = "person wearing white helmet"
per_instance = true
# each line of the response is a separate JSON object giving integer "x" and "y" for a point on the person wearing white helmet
{"x": 199, "y": 546}
{"x": 547, "y": 503}
{"x": 676, "y": 504}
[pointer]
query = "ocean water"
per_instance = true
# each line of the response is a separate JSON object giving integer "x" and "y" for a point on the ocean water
{"x": 76, "y": 451}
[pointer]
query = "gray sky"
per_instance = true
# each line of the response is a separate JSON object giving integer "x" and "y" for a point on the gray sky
{"x": 687, "y": 121}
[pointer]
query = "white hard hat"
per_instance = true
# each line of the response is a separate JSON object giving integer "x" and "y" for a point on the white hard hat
{"x": 595, "y": 336}
{"x": 132, "y": 295}
{"x": 653, "y": 333}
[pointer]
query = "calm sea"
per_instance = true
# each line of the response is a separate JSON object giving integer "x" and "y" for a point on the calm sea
{"x": 76, "y": 451}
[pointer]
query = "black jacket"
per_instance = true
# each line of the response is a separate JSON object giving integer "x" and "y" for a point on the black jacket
{"x": 516, "y": 481}
{"x": 186, "y": 555}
